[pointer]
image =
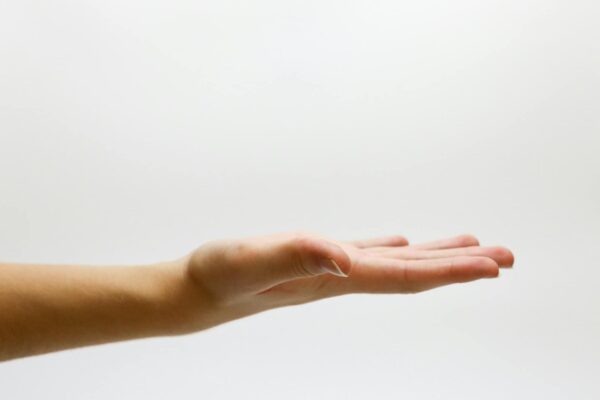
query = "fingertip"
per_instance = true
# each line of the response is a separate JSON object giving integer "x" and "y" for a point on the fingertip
{"x": 490, "y": 268}
{"x": 467, "y": 239}
{"x": 384, "y": 241}
{"x": 505, "y": 257}
{"x": 483, "y": 267}
{"x": 493, "y": 272}
{"x": 398, "y": 240}
{"x": 510, "y": 258}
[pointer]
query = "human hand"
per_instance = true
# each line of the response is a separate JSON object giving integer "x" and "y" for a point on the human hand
{"x": 246, "y": 276}
{"x": 47, "y": 308}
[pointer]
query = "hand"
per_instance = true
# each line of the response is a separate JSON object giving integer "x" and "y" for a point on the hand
{"x": 47, "y": 308}
{"x": 243, "y": 277}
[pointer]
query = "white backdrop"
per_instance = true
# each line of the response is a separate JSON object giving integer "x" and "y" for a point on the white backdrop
{"x": 132, "y": 131}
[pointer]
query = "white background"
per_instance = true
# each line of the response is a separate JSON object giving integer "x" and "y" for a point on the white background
{"x": 132, "y": 131}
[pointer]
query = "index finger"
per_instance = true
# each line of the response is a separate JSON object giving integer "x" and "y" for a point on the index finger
{"x": 393, "y": 240}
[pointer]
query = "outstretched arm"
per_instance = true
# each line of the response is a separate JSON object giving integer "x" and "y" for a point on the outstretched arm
{"x": 46, "y": 308}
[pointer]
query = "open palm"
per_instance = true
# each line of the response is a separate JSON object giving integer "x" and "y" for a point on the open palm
{"x": 252, "y": 275}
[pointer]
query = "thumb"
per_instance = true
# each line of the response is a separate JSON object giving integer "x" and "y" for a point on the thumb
{"x": 301, "y": 256}
{"x": 315, "y": 256}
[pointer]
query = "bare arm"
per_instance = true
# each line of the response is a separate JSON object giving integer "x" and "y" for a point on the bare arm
{"x": 52, "y": 307}
{"x": 46, "y": 308}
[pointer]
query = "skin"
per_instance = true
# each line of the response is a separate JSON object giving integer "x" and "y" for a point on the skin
{"x": 46, "y": 308}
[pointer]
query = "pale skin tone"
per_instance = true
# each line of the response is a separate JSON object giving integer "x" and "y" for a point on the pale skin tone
{"x": 45, "y": 308}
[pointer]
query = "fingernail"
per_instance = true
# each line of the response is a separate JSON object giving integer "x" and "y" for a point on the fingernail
{"x": 331, "y": 266}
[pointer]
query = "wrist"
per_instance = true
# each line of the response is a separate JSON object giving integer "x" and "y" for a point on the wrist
{"x": 181, "y": 303}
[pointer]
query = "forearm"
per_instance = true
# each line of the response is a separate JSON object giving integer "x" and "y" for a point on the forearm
{"x": 54, "y": 307}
